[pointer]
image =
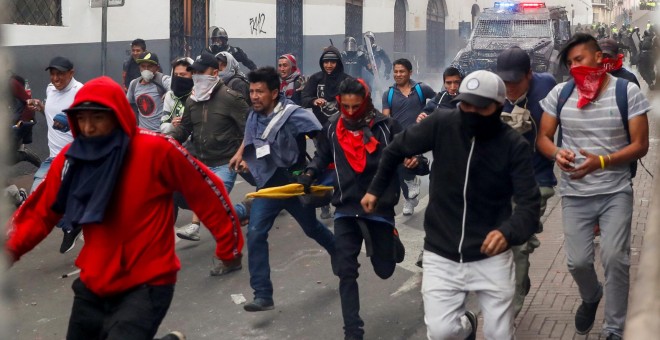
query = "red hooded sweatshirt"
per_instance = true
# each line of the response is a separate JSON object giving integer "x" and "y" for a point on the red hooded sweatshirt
{"x": 134, "y": 245}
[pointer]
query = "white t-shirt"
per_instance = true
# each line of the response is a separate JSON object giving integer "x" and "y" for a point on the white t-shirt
{"x": 56, "y": 101}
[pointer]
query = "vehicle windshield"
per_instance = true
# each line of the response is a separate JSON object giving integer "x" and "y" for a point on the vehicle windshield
{"x": 512, "y": 28}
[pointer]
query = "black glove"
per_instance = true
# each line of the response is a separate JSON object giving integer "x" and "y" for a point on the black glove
{"x": 306, "y": 180}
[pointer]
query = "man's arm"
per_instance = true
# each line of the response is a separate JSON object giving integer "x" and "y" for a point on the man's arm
{"x": 526, "y": 195}
{"x": 185, "y": 128}
{"x": 308, "y": 95}
{"x": 239, "y": 110}
{"x": 35, "y": 219}
{"x": 639, "y": 142}
{"x": 386, "y": 107}
{"x": 546, "y": 145}
{"x": 415, "y": 140}
{"x": 242, "y": 58}
{"x": 428, "y": 92}
{"x": 207, "y": 197}
{"x": 323, "y": 155}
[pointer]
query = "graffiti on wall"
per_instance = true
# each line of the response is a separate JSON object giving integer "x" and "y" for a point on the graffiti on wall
{"x": 257, "y": 24}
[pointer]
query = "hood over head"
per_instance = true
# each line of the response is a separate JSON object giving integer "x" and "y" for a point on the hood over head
{"x": 327, "y": 52}
{"x": 233, "y": 68}
{"x": 105, "y": 92}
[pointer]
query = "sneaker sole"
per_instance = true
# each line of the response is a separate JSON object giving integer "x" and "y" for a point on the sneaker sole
{"x": 227, "y": 271}
{"x": 186, "y": 237}
{"x": 73, "y": 245}
{"x": 473, "y": 317}
{"x": 585, "y": 332}
{"x": 248, "y": 308}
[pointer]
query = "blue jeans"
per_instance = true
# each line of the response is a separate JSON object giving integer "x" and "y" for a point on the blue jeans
{"x": 41, "y": 173}
{"x": 263, "y": 214}
{"x": 38, "y": 178}
{"x": 228, "y": 178}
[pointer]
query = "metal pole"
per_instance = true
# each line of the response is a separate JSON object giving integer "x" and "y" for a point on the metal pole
{"x": 104, "y": 36}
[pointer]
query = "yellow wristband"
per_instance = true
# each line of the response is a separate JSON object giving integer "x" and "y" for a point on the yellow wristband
{"x": 602, "y": 162}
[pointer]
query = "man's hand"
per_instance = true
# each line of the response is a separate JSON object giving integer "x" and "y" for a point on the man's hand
{"x": 176, "y": 121}
{"x": 411, "y": 162}
{"x": 590, "y": 164}
{"x": 319, "y": 102}
{"x": 35, "y": 105}
{"x": 421, "y": 116}
{"x": 236, "y": 163}
{"x": 564, "y": 159}
{"x": 369, "y": 202}
{"x": 306, "y": 180}
{"x": 494, "y": 243}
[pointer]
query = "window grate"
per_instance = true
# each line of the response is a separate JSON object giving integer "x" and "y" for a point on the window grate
{"x": 36, "y": 12}
{"x": 512, "y": 28}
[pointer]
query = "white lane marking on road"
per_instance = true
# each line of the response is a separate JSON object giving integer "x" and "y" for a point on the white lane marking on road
{"x": 413, "y": 283}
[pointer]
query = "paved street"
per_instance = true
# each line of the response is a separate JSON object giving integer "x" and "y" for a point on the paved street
{"x": 306, "y": 293}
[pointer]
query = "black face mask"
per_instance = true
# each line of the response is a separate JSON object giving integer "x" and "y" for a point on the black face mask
{"x": 181, "y": 86}
{"x": 483, "y": 126}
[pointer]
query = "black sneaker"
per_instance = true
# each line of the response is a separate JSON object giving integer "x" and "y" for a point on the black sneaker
{"x": 69, "y": 240}
{"x": 614, "y": 337}
{"x": 585, "y": 317}
{"x": 474, "y": 323}
{"x": 259, "y": 305}
{"x": 174, "y": 336}
{"x": 420, "y": 260}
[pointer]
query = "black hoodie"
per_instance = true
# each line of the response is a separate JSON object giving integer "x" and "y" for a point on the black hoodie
{"x": 323, "y": 85}
{"x": 350, "y": 186}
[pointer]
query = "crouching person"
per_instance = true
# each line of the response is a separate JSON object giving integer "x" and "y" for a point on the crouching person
{"x": 354, "y": 141}
{"x": 480, "y": 164}
{"x": 116, "y": 181}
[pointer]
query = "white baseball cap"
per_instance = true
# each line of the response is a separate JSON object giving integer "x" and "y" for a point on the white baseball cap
{"x": 480, "y": 88}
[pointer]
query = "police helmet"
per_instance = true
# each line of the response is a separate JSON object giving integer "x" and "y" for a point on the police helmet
{"x": 371, "y": 36}
{"x": 350, "y": 45}
{"x": 219, "y": 32}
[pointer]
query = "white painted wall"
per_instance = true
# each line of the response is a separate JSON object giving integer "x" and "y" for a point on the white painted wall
{"x": 147, "y": 19}
{"x": 324, "y": 17}
{"x": 244, "y": 18}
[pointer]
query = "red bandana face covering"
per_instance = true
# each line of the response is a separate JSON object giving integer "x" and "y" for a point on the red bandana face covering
{"x": 613, "y": 64}
{"x": 588, "y": 81}
{"x": 354, "y": 134}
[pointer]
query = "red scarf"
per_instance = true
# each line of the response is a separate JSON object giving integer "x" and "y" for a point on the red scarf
{"x": 355, "y": 149}
{"x": 612, "y": 64}
{"x": 588, "y": 81}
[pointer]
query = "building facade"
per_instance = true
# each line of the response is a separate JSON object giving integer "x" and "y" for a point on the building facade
{"x": 428, "y": 32}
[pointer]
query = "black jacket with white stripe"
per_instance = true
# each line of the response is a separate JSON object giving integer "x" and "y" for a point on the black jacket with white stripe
{"x": 473, "y": 180}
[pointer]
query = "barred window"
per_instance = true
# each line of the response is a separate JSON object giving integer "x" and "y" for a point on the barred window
{"x": 513, "y": 29}
{"x": 36, "y": 12}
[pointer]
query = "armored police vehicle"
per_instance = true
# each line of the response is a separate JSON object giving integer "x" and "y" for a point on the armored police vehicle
{"x": 537, "y": 29}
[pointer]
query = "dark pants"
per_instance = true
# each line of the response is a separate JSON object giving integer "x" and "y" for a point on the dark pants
{"x": 348, "y": 242}
{"x": 262, "y": 215}
{"x": 647, "y": 67}
{"x": 134, "y": 315}
{"x": 405, "y": 174}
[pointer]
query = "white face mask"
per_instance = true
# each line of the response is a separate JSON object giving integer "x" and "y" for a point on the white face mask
{"x": 147, "y": 75}
{"x": 203, "y": 86}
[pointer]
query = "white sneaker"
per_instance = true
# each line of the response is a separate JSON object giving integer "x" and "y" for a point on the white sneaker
{"x": 189, "y": 232}
{"x": 413, "y": 187}
{"x": 409, "y": 206}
